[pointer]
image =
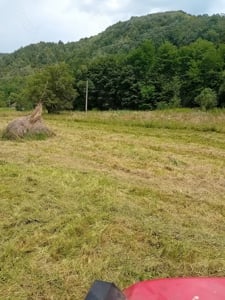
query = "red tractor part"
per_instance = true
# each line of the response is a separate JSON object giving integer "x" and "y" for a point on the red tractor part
{"x": 200, "y": 288}
{"x": 177, "y": 289}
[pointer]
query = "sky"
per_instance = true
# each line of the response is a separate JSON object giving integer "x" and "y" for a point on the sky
{"x": 23, "y": 22}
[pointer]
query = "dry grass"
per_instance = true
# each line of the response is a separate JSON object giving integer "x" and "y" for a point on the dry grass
{"x": 118, "y": 196}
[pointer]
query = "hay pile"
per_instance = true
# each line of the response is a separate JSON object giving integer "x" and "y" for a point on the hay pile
{"x": 28, "y": 126}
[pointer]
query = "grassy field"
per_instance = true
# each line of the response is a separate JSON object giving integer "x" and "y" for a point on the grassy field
{"x": 117, "y": 196}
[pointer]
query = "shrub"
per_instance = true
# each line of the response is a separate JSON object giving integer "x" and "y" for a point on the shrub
{"x": 206, "y": 99}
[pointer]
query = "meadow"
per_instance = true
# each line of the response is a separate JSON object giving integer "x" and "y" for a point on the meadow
{"x": 117, "y": 196}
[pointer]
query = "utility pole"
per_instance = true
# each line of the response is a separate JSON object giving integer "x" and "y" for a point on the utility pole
{"x": 86, "y": 98}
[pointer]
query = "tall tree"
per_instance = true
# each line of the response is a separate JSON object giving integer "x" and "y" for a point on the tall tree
{"x": 201, "y": 69}
{"x": 166, "y": 73}
{"x": 53, "y": 86}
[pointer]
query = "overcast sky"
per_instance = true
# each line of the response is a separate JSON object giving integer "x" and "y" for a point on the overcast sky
{"x": 23, "y": 22}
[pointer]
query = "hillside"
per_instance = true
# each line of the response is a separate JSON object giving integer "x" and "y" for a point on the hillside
{"x": 177, "y": 27}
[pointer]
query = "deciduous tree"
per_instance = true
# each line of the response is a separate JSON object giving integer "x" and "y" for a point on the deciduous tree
{"x": 53, "y": 85}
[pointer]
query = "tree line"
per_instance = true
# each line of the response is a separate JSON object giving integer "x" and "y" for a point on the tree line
{"x": 151, "y": 77}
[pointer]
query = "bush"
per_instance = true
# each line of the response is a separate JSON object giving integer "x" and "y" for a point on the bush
{"x": 175, "y": 102}
{"x": 207, "y": 99}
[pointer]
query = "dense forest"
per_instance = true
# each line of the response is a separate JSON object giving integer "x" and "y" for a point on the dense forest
{"x": 161, "y": 60}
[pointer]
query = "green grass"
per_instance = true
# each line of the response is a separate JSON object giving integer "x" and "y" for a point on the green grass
{"x": 117, "y": 196}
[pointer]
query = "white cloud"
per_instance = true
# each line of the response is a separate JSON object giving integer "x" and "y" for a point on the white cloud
{"x": 217, "y": 7}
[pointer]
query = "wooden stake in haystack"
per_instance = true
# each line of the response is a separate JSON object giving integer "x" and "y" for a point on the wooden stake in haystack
{"x": 30, "y": 125}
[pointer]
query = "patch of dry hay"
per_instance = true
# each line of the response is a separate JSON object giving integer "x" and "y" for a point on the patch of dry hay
{"x": 30, "y": 125}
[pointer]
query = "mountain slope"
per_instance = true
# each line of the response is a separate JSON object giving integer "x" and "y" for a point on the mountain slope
{"x": 177, "y": 27}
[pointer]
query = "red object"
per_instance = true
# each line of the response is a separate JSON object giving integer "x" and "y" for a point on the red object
{"x": 178, "y": 289}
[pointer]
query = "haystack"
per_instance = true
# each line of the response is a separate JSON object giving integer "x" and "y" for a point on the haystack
{"x": 28, "y": 126}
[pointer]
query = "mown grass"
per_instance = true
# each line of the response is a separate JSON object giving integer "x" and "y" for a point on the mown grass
{"x": 117, "y": 196}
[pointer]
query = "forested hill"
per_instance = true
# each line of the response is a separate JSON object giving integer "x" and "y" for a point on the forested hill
{"x": 177, "y": 27}
{"x": 121, "y": 40}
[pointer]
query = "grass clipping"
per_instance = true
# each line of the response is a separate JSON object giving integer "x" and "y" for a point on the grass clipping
{"x": 31, "y": 126}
